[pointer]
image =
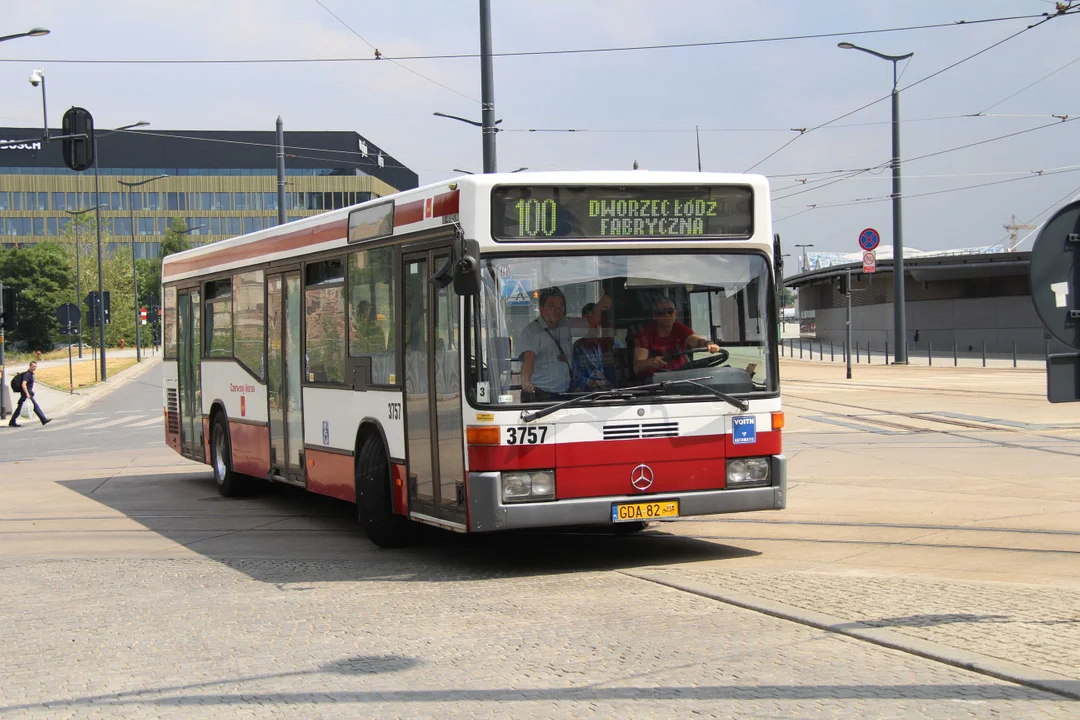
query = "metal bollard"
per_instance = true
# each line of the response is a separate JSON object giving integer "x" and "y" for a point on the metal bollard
{"x": 984, "y": 353}
{"x": 929, "y": 353}
{"x": 832, "y": 352}
{"x": 868, "y": 352}
{"x": 954, "y": 359}
{"x": 1014, "y": 353}
{"x": 886, "y": 352}
{"x": 800, "y": 348}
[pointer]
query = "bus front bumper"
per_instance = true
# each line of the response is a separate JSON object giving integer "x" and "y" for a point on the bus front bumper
{"x": 488, "y": 513}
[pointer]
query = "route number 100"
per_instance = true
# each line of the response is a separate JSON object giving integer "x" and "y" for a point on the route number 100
{"x": 536, "y": 217}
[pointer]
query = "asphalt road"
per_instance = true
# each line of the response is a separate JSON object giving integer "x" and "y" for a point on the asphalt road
{"x": 922, "y": 570}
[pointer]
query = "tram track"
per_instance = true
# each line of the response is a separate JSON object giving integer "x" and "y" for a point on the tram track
{"x": 925, "y": 417}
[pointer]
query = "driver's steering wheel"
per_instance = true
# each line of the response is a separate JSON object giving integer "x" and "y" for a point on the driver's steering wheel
{"x": 713, "y": 360}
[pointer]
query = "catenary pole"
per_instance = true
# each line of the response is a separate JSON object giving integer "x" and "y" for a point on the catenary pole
{"x": 487, "y": 88}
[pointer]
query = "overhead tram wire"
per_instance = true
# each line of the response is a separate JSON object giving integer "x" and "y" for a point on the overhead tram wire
{"x": 1028, "y": 87}
{"x": 883, "y": 198}
{"x": 1047, "y": 18}
{"x": 379, "y": 55}
{"x": 573, "y": 51}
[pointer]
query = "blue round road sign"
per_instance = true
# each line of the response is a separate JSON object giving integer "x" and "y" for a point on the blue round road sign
{"x": 869, "y": 239}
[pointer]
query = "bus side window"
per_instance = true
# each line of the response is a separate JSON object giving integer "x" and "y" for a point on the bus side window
{"x": 169, "y": 325}
{"x": 371, "y": 312}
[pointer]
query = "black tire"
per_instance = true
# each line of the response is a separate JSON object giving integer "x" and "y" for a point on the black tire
{"x": 229, "y": 482}
{"x": 630, "y": 528}
{"x": 374, "y": 503}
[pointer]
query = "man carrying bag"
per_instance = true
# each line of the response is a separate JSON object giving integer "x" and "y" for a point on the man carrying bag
{"x": 23, "y": 383}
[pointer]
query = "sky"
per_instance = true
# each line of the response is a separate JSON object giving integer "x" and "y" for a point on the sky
{"x": 631, "y": 106}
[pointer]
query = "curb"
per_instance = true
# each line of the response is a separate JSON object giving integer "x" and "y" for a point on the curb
{"x": 110, "y": 385}
{"x": 963, "y": 659}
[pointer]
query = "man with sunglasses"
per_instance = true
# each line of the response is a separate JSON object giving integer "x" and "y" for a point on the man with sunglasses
{"x": 659, "y": 346}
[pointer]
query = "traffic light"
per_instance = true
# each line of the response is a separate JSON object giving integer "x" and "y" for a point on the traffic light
{"x": 79, "y": 151}
{"x": 11, "y": 312}
{"x": 843, "y": 284}
{"x": 142, "y": 315}
{"x": 92, "y": 308}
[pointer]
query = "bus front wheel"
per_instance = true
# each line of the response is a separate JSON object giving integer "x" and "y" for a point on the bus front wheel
{"x": 374, "y": 504}
{"x": 229, "y": 482}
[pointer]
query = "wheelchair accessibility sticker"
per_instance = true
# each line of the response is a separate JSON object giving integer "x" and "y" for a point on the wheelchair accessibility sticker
{"x": 743, "y": 429}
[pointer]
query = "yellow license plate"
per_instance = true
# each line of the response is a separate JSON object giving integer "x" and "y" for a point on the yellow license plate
{"x": 633, "y": 512}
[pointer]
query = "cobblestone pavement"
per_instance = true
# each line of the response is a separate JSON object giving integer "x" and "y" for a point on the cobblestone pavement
{"x": 1036, "y": 626}
{"x": 415, "y": 634}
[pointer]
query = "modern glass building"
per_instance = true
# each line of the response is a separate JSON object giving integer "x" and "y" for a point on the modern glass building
{"x": 221, "y": 183}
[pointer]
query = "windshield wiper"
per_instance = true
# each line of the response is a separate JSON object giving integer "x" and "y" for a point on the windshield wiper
{"x": 575, "y": 401}
{"x": 696, "y": 382}
{"x": 630, "y": 392}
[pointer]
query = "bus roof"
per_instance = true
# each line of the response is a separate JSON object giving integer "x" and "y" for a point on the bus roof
{"x": 464, "y": 200}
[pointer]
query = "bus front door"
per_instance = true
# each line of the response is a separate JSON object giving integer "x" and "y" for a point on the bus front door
{"x": 435, "y": 440}
{"x": 283, "y": 312}
{"x": 189, "y": 350}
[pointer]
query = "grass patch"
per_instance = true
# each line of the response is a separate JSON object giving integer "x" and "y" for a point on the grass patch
{"x": 61, "y": 354}
{"x": 82, "y": 372}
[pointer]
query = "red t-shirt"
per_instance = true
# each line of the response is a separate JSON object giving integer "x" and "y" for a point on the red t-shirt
{"x": 665, "y": 347}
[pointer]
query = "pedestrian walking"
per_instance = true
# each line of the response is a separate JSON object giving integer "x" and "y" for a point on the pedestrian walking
{"x": 23, "y": 383}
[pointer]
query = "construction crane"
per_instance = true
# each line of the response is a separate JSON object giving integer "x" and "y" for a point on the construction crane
{"x": 1013, "y": 228}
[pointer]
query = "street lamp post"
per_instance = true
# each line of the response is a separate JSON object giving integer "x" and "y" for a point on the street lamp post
{"x": 134, "y": 269}
{"x": 802, "y": 264}
{"x": 77, "y": 214}
{"x": 487, "y": 88}
{"x": 97, "y": 215}
{"x": 899, "y": 316}
{"x": 32, "y": 32}
{"x": 488, "y": 127}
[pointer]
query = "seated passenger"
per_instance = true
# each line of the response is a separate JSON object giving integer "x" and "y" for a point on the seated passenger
{"x": 545, "y": 344}
{"x": 659, "y": 346}
{"x": 594, "y": 363}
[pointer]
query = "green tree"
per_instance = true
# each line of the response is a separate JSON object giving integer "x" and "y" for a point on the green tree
{"x": 42, "y": 277}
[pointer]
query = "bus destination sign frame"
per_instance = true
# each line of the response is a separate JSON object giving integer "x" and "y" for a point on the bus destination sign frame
{"x": 522, "y": 213}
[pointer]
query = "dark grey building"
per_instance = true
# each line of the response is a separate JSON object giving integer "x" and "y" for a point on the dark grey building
{"x": 966, "y": 299}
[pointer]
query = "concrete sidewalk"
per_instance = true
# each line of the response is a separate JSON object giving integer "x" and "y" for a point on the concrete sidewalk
{"x": 58, "y": 403}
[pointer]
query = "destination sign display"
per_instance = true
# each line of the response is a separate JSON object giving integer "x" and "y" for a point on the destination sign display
{"x": 620, "y": 213}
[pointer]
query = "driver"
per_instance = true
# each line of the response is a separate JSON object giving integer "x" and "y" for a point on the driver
{"x": 662, "y": 343}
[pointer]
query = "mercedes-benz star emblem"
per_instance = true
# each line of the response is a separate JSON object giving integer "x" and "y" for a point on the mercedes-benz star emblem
{"x": 641, "y": 477}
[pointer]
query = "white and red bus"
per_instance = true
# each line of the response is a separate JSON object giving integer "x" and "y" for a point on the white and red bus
{"x": 378, "y": 353}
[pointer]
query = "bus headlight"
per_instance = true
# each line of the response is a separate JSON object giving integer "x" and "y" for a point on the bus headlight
{"x": 747, "y": 472}
{"x": 528, "y": 486}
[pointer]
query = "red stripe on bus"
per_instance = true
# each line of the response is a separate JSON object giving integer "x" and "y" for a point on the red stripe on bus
{"x": 413, "y": 212}
{"x": 447, "y": 204}
{"x": 511, "y": 457}
{"x": 330, "y": 474}
{"x": 285, "y": 242}
{"x": 250, "y": 448}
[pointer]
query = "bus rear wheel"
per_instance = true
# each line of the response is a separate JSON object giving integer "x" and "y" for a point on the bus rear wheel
{"x": 374, "y": 503}
{"x": 229, "y": 482}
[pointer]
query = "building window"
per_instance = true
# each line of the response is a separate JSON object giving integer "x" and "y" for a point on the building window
{"x": 251, "y": 224}
{"x": 324, "y": 313}
{"x": 221, "y": 201}
{"x": 153, "y": 201}
{"x": 51, "y": 226}
{"x": 146, "y": 226}
{"x": 234, "y": 225}
{"x": 59, "y": 201}
{"x": 250, "y": 324}
{"x": 121, "y": 226}
{"x": 371, "y": 311}
{"x": 219, "y": 335}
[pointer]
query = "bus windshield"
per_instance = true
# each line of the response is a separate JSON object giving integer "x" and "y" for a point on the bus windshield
{"x": 546, "y": 328}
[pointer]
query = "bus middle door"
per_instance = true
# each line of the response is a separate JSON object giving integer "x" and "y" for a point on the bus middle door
{"x": 434, "y": 434}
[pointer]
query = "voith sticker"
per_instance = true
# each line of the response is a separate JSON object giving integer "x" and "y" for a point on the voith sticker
{"x": 743, "y": 429}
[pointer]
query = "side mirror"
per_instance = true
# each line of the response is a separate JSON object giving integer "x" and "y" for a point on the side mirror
{"x": 467, "y": 268}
